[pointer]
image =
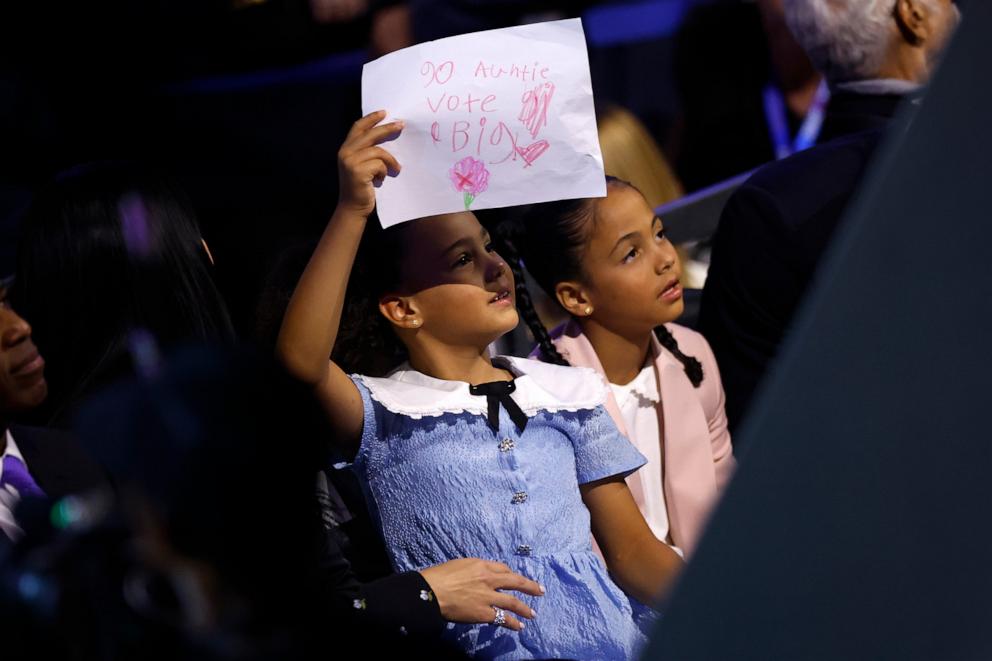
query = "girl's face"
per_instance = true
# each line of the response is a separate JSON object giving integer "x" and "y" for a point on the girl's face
{"x": 631, "y": 270}
{"x": 456, "y": 289}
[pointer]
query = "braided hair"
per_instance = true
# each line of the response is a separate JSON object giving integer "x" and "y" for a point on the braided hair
{"x": 525, "y": 305}
{"x": 693, "y": 368}
{"x": 560, "y": 231}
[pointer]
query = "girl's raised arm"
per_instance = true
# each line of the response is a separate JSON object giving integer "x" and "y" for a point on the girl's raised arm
{"x": 313, "y": 316}
{"x": 640, "y": 564}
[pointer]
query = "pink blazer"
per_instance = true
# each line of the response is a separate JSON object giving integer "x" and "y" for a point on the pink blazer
{"x": 695, "y": 441}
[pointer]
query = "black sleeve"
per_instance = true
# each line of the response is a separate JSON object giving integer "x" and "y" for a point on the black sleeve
{"x": 400, "y": 603}
{"x": 403, "y": 602}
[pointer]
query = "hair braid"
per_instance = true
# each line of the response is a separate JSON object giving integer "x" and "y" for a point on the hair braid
{"x": 525, "y": 304}
{"x": 693, "y": 368}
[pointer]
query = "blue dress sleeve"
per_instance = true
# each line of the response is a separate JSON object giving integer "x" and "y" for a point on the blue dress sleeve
{"x": 370, "y": 424}
{"x": 600, "y": 449}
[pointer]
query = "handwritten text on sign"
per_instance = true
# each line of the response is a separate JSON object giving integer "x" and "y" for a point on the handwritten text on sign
{"x": 493, "y": 119}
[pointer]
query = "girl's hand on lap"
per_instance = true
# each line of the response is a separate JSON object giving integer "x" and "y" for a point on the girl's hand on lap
{"x": 363, "y": 164}
{"x": 467, "y": 589}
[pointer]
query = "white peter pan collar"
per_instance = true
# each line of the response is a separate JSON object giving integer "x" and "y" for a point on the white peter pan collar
{"x": 539, "y": 387}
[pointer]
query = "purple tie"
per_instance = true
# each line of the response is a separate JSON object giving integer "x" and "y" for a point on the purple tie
{"x": 16, "y": 474}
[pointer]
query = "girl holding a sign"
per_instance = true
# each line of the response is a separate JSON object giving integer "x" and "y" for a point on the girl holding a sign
{"x": 463, "y": 455}
{"x": 607, "y": 262}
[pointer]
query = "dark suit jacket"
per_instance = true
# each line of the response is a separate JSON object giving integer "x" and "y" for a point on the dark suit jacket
{"x": 849, "y": 113}
{"x": 56, "y": 461}
{"x": 771, "y": 236}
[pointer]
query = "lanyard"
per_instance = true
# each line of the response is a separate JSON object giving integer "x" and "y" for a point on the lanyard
{"x": 778, "y": 125}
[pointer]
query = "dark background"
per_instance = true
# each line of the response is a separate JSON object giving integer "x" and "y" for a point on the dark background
{"x": 246, "y": 104}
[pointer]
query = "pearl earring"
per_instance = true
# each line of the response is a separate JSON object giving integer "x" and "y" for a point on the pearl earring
{"x": 588, "y": 309}
{"x": 415, "y": 322}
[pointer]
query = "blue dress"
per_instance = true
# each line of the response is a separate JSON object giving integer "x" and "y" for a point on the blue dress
{"x": 444, "y": 485}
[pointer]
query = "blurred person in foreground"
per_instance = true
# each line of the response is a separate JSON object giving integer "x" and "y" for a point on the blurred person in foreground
{"x": 774, "y": 229}
{"x": 213, "y": 548}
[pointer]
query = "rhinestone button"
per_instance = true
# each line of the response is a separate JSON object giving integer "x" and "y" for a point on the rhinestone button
{"x": 523, "y": 549}
{"x": 519, "y": 497}
{"x": 506, "y": 445}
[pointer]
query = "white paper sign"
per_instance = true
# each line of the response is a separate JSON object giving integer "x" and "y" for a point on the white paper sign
{"x": 493, "y": 119}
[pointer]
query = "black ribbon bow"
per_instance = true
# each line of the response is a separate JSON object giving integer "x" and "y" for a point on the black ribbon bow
{"x": 498, "y": 392}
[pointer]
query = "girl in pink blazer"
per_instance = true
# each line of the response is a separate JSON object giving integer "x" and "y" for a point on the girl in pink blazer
{"x": 607, "y": 262}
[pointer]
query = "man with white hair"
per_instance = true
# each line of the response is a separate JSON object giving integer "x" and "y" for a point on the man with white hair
{"x": 874, "y": 54}
{"x": 863, "y": 39}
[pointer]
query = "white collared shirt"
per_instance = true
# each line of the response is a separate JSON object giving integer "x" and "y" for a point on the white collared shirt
{"x": 638, "y": 402}
{"x": 9, "y": 498}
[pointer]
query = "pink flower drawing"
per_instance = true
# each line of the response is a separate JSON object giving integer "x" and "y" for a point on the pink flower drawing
{"x": 470, "y": 177}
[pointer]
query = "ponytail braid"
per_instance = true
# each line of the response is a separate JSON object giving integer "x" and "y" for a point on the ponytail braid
{"x": 525, "y": 305}
{"x": 693, "y": 368}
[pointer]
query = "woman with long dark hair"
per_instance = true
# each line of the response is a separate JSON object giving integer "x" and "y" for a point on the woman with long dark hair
{"x": 110, "y": 255}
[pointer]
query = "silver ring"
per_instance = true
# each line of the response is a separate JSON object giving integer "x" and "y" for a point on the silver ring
{"x": 500, "y": 618}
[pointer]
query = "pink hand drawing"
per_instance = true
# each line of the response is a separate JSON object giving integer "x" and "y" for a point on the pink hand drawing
{"x": 470, "y": 177}
{"x": 536, "y": 103}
